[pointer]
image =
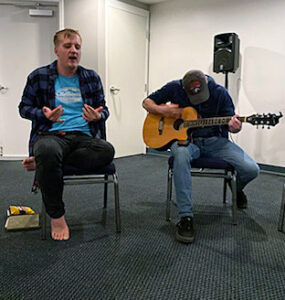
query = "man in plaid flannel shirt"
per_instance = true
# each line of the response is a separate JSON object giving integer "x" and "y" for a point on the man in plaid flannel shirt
{"x": 66, "y": 105}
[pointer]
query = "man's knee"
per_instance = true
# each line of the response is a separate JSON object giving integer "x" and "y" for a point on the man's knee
{"x": 47, "y": 152}
{"x": 97, "y": 154}
{"x": 181, "y": 151}
{"x": 250, "y": 172}
{"x": 110, "y": 151}
{"x": 182, "y": 156}
{"x": 253, "y": 171}
{"x": 102, "y": 150}
{"x": 108, "y": 154}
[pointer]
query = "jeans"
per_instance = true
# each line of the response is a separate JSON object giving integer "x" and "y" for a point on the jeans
{"x": 52, "y": 151}
{"x": 218, "y": 147}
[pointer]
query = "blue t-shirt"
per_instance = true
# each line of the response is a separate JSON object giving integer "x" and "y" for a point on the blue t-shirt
{"x": 68, "y": 95}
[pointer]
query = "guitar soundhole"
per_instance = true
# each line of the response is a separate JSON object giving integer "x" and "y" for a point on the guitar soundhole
{"x": 177, "y": 123}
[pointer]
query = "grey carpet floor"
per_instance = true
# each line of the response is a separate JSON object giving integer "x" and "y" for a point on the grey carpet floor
{"x": 246, "y": 261}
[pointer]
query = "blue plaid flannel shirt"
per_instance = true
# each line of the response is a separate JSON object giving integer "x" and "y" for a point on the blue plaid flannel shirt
{"x": 39, "y": 91}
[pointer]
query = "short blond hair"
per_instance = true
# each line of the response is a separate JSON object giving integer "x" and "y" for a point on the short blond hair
{"x": 66, "y": 33}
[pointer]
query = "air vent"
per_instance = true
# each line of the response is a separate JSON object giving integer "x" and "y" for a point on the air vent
{"x": 40, "y": 12}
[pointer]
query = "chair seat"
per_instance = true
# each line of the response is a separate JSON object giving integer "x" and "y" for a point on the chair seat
{"x": 108, "y": 170}
{"x": 206, "y": 163}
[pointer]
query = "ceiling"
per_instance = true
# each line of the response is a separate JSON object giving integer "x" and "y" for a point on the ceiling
{"x": 151, "y": 1}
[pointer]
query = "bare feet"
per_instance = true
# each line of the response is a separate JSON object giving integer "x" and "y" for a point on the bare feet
{"x": 29, "y": 163}
{"x": 59, "y": 229}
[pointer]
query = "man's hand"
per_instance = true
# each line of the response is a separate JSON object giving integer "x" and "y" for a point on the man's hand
{"x": 53, "y": 115}
{"x": 91, "y": 114}
{"x": 235, "y": 124}
{"x": 170, "y": 110}
{"x": 29, "y": 163}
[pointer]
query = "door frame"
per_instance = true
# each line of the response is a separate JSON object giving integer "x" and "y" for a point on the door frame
{"x": 60, "y": 12}
{"x": 135, "y": 10}
{"x": 60, "y": 4}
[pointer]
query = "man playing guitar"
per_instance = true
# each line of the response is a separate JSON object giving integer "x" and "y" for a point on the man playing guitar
{"x": 209, "y": 99}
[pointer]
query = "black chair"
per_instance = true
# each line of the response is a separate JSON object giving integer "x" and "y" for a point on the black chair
{"x": 282, "y": 212}
{"x": 212, "y": 168}
{"x": 73, "y": 176}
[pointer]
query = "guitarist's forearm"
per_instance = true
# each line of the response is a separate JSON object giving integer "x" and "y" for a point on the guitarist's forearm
{"x": 167, "y": 110}
{"x": 151, "y": 106}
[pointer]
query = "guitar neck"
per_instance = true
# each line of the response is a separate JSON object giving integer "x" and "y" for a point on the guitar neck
{"x": 210, "y": 122}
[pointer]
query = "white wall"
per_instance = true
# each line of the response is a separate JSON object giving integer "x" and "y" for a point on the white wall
{"x": 83, "y": 16}
{"x": 182, "y": 33}
{"x": 88, "y": 16}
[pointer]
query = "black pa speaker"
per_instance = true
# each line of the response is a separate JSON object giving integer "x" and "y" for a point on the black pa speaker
{"x": 226, "y": 52}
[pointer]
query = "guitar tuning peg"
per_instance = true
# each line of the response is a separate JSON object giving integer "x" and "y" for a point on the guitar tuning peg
{"x": 268, "y": 127}
{"x": 262, "y": 126}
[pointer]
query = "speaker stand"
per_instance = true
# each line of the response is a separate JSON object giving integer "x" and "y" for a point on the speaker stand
{"x": 226, "y": 79}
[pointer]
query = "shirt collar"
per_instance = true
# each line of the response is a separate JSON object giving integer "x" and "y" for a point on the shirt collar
{"x": 54, "y": 73}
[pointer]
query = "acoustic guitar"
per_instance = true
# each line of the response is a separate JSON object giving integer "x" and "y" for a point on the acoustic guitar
{"x": 159, "y": 132}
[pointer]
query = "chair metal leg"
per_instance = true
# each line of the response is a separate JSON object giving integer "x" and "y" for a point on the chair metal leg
{"x": 234, "y": 197}
{"x": 169, "y": 194}
{"x": 105, "y": 190}
{"x": 117, "y": 204}
{"x": 225, "y": 188}
{"x": 282, "y": 211}
{"x": 43, "y": 222}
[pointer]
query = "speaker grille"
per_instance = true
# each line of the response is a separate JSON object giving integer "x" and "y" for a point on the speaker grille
{"x": 226, "y": 52}
{"x": 223, "y": 60}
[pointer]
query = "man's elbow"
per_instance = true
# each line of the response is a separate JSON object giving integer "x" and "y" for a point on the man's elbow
{"x": 144, "y": 103}
{"x": 20, "y": 109}
{"x": 147, "y": 103}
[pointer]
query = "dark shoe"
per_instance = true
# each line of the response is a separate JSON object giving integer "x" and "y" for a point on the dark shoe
{"x": 185, "y": 230}
{"x": 241, "y": 200}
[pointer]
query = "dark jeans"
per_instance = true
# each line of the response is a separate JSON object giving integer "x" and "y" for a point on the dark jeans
{"x": 52, "y": 151}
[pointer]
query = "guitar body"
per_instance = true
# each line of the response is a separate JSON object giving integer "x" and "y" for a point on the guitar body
{"x": 160, "y": 132}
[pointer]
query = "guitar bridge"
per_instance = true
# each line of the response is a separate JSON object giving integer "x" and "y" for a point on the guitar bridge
{"x": 160, "y": 126}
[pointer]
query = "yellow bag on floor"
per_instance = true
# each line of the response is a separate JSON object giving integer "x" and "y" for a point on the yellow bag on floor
{"x": 21, "y": 217}
{"x": 20, "y": 210}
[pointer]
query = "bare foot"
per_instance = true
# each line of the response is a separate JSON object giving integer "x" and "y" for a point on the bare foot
{"x": 29, "y": 163}
{"x": 59, "y": 229}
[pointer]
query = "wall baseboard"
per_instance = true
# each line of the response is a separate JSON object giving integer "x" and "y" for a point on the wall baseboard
{"x": 12, "y": 157}
{"x": 271, "y": 169}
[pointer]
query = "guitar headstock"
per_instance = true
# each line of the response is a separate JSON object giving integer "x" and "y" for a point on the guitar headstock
{"x": 264, "y": 119}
